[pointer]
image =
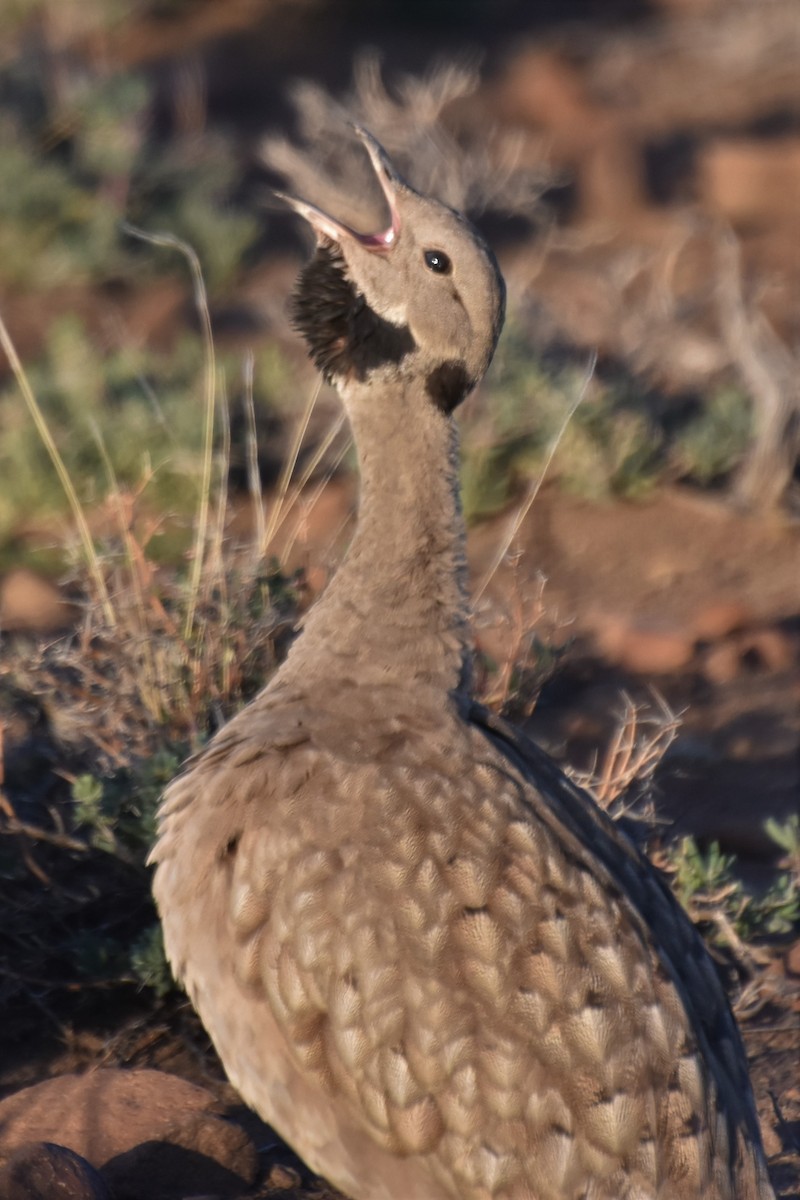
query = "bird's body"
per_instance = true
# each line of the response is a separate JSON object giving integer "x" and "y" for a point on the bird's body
{"x": 422, "y": 954}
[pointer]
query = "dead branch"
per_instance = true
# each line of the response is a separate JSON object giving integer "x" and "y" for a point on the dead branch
{"x": 770, "y": 374}
{"x": 640, "y": 740}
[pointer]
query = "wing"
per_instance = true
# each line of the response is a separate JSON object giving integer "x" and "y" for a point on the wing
{"x": 466, "y": 966}
{"x": 651, "y": 904}
{"x": 673, "y": 944}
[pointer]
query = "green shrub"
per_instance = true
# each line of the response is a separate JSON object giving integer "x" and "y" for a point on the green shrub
{"x": 715, "y": 897}
{"x": 148, "y": 961}
{"x": 137, "y": 407}
{"x": 607, "y": 446}
{"x": 714, "y": 441}
{"x": 136, "y": 410}
{"x": 71, "y": 171}
{"x": 119, "y": 812}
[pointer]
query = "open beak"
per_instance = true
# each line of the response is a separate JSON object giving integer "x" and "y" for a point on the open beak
{"x": 329, "y": 227}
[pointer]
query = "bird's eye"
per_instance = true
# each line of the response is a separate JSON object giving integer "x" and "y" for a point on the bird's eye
{"x": 438, "y": 261}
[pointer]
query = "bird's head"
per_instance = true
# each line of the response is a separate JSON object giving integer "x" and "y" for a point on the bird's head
{"x": 423, "y": 295}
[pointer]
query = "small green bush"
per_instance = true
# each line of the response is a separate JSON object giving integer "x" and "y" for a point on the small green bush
{"x": 119, "y": 813}
{"x": 138, "y": 410}
{"x": 713, "y": 443}
{"x": 137, "y": 407}
{"x": 148, "y": 961}
{"x": 607, "y": 447}
{"x": 72, "y": 170}
{"x": 715, "y": 897}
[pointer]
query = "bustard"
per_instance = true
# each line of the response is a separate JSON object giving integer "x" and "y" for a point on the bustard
{"x": 424, "y": 956}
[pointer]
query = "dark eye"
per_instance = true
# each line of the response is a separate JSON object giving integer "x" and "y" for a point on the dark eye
{"x": 438, "y": 261}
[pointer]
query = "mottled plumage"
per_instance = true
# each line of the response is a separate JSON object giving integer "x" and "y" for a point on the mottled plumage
{"x": 423, "y": 954}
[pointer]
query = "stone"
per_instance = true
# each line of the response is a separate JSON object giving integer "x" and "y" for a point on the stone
{"x": 45, "y": 1171}
{"x": 722, "y": 663}
{"x": 150, "y": 1134}
{"x": 204, "y": 1155}
{"x": 772, "y": 649}
{"x": 644, "y": 649}
{"x": 31, "y": 603}
{"x": 720, "y": 618}
{"x": 751, "y": 179}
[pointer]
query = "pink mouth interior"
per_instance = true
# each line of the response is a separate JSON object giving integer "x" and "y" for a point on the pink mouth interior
{"x": 385, "y": 240}
{"x": 328, "y": 227}
{"x": 379, "y": 241}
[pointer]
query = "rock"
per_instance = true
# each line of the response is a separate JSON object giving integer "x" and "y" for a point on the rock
{"x": 751, "y": 179}
{"x": 282, "y": 1178}
{"x": 722, "y": 663}
{"x": 44, "y": 1171}
{"x": 31, "y": 603}
{"x": 203, "y": 1155}
{"x": 719, "y": 619}
{"x": 643, "y": 649}
{"x": 101, "y": 1113}
{"x": 136, "y": 1127}
{"x": 541, "y": 89}
{"x": 753, "y": 650}
{"x": 771, "y": 649}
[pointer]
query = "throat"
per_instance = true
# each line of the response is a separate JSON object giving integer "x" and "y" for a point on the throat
{"x": 396, "y": 610}
{"x": 346, "y": 338}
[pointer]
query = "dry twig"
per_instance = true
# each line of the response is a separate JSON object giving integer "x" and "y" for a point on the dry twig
{"x": 640, "y": 740}
{"x": 770, "y": 374}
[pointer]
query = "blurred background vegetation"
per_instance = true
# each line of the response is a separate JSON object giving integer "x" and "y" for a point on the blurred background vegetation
{"x": 637, "y": 207}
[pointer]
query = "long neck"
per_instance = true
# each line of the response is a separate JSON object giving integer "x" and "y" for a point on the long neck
{"x": 396, "y": 610}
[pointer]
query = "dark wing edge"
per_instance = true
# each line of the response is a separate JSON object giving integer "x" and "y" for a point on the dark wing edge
{"x": 568, "y": 809}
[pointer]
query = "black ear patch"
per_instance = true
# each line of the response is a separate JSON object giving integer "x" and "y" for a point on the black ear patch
{"x": 448, "y": 384}
{"x": 345, "y": 336}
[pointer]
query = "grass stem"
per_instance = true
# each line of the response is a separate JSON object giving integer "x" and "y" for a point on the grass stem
{"x": 39, "y": 420}
{"x": 519, "y": 516}
{"x": 209, "y": 389}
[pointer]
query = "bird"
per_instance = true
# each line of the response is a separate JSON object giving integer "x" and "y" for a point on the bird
{"x": 425, "y": 956}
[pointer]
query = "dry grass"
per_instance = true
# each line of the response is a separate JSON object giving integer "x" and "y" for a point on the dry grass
{"x": 770, "y": 372}
{"x": 159, "y": 659}
{"x": 161, "y": 655}
{"x": 470, "y": 165}
{"x": 90, "y": 554}
{"x": 525, "y": 506}
{"x": 623, "y": 772}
